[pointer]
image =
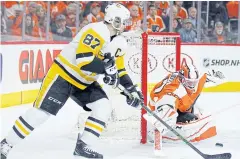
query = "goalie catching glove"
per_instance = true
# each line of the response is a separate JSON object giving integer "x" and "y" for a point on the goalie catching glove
{"x": 137, "y": 97}
{"x": 214, "y": 78}
{"x": 111, "y": 73}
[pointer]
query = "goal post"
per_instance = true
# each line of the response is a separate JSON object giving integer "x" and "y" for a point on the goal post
{"x": 150, "y": 40}
{"x": 145, "y": 62}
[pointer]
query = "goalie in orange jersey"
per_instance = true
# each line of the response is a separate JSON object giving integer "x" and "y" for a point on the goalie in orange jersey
{"x": 174, "y": 100}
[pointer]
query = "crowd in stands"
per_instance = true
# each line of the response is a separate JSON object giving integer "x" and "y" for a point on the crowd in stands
{"x": 222, "y": 26}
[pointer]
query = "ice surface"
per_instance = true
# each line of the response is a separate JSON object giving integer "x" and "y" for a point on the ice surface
{"x": 55, "y": 140}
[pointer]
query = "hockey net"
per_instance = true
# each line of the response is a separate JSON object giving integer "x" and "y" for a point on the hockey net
{"x": 148, "y": 60}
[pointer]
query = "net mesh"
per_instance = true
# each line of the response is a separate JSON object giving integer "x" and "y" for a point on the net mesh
{"x": 125, "y": 121}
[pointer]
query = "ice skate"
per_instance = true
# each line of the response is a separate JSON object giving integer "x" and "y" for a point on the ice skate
{"x": 83, "y": 150}
{"x": 5, "y": 148}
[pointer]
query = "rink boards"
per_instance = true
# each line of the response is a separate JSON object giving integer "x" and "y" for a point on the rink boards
{"x": 24, "y": 65}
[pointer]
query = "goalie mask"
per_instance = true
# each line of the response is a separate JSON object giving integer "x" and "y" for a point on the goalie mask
{"x": 117, "y": 15}
{"x": 189, "y": 76}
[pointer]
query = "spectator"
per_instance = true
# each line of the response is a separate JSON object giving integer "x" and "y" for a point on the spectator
{"x": 42, "y": 4}
{"x": 175, "y": 13}
{"x": 103, "y": 5}
{"x": 176, "y": 25}
{"x": 57, "y": 8}
{"x": 70, "y": 13}
{"x": 31, "y": 12}
{"x": 156, "y": 23}
{"x": 95, "y": 13}
{"x": 82, "y": 5}
{"x": 151, "y": 3}
{"x": 41, "y": 14}
{"x": 192, "y": 12}
{"x": 31, "y": 30}
{"x": 187, "y": 33}
{"x": 166, "y": 18}
{"x": 83, "y": 23}
{"x": 142, "y": 27}
{"x": 220, "y": 35}
{"x": 60, "y": 30}
{"x": 29, "y": 25}
{"x": 42, "y": 30}
{"x": 181, "y": 12}
{"x": 162, "y": 8}
{"x": 87, "y": 8}
{"x": 3, "y": 23}
{"x": 163, "y": 11}
{"x": 13, "y": 9}
{"x": 32, "y": 8}
{"x": 232, "y": 9}
{"x": 135, "y": 19}
{"x": 219, "y": 13}
{"x": 81, "y": 10}
{"x": 137, "y": 3}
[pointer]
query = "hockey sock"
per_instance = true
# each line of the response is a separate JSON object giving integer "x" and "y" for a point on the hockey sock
{"x": 25, "y": 124}
{"x": 95, "y": 123}
{"x": 93, "y": 129}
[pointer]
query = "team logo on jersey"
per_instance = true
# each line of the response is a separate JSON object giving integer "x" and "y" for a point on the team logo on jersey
{"x": 169, "y": 62}
{"x": 135, "y": 63}
{"x": 54, "y": 100}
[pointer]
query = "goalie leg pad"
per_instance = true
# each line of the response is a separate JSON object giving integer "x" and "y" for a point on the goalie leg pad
{"x": 25, "y": 124}
{"x": 95, "y": 124}
{"x": 166, "y": 113}
{"x": 194, "y": 131}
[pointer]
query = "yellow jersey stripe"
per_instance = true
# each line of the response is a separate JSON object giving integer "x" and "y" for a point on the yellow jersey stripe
{"x": 77, "y": 69}
{"x": 47, "y": 82}
{"x": 22, "y": 128}
{"x": 94, "y": 126}
{"x": 122, "y": 73}
{"x": 120, "y": 62}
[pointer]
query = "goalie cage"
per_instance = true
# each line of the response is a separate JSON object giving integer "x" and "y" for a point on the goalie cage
{"x": 127, "y": 123}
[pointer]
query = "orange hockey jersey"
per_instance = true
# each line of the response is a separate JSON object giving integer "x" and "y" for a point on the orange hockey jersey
{"x": 171, "y": 91}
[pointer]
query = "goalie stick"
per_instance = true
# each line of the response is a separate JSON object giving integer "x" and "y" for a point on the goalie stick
{"x": 205, "y": 156}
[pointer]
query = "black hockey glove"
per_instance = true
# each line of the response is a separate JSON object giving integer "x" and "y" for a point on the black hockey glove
{"x": 137, "y": 97}
{"x": 111, "y": 73}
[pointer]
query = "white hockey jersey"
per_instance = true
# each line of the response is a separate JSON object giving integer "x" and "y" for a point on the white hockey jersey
{"x": 92, "y": 41}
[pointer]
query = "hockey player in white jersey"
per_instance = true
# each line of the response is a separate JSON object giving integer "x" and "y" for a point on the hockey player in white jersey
{"x": 175, "y": 100}
{"x": 74, "y": 74}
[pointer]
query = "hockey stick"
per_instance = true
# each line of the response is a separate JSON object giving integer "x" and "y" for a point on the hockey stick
{"x": 205, "y": 156}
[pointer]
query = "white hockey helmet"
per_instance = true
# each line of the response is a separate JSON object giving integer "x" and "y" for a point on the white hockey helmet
{"x": 189, "y": 76}
{"x": 117, "y": 15}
